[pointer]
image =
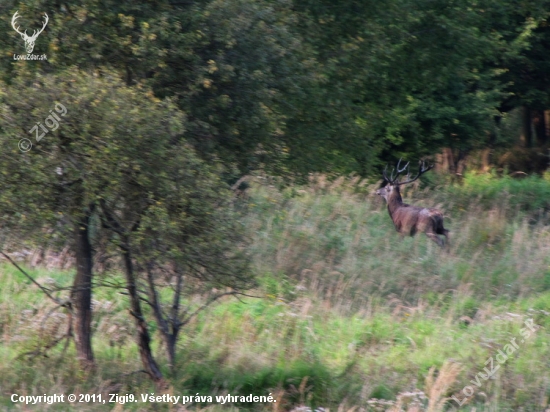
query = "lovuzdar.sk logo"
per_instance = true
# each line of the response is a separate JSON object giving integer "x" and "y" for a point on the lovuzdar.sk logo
{"x": 29, "y": 40}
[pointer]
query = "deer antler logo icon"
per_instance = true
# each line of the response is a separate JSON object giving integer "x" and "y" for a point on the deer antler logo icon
{"x": 29, "y": 40}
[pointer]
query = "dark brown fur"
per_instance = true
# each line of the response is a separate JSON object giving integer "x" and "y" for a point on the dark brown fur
{"x": 409, "y": 220}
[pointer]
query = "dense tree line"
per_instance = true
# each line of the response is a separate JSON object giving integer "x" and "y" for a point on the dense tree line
{"x": 168, "y": 102}
{"x": 314, "y": 85}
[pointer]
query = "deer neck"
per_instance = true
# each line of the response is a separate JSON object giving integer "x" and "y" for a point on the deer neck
{"x": 395, "y": 201}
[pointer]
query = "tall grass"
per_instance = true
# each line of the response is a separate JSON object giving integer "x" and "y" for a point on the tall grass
{"x": 339, "y": 241}
{"x": 353, "y": 317}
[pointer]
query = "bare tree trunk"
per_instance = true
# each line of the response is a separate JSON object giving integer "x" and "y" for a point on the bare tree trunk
{"x": 175, "y": 321}
{"x": 451, "y": 163}
{"x": 449, "y": 160}
{"x": 170, "y": 342}
{"x": 526, "y": 133}
{"x": 169, "y": 329}
{"x": 485, "y": 159}
{"x": 460, "y": 164}
{"x": 143, "y": 338}
{"x": 539, "y": 122}
{"x": 81, "y": 295}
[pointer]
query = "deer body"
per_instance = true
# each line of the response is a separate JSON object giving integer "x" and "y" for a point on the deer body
{"x": 409, "y": 220}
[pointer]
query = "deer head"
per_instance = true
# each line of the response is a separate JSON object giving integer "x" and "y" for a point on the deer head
{"x": 29, "y": 40}
{"x": 393, "y": 183}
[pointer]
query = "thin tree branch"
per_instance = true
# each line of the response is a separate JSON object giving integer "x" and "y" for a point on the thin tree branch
{"x": 112, "y": 221}
{"x": 42, "y": 288}
{"x": 140, "y": 298}
{"x": 210, "y": 301}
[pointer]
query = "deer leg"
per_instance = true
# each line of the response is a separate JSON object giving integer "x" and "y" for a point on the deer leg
{"x": 447, "y": 241}
{"x": 435, "y": 238}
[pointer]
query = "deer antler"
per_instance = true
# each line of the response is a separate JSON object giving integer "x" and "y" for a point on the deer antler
{"x": 392, "y": 179}
{"x": 421, "y": 170}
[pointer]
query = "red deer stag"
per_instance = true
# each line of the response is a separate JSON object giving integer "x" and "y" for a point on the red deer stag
{"x": 409, "y": 220}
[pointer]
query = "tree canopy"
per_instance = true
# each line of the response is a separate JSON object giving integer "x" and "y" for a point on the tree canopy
{"x": 295, "y": 87}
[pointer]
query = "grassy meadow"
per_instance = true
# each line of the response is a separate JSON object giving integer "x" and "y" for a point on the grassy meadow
{"x": 350, "y": 316}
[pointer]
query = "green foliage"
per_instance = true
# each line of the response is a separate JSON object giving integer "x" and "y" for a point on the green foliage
{"x": 106, "y": 127}
{"x": 529, "y": 195}
{"x": 311, "y": 86}
{"x": 414, "y": 76}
